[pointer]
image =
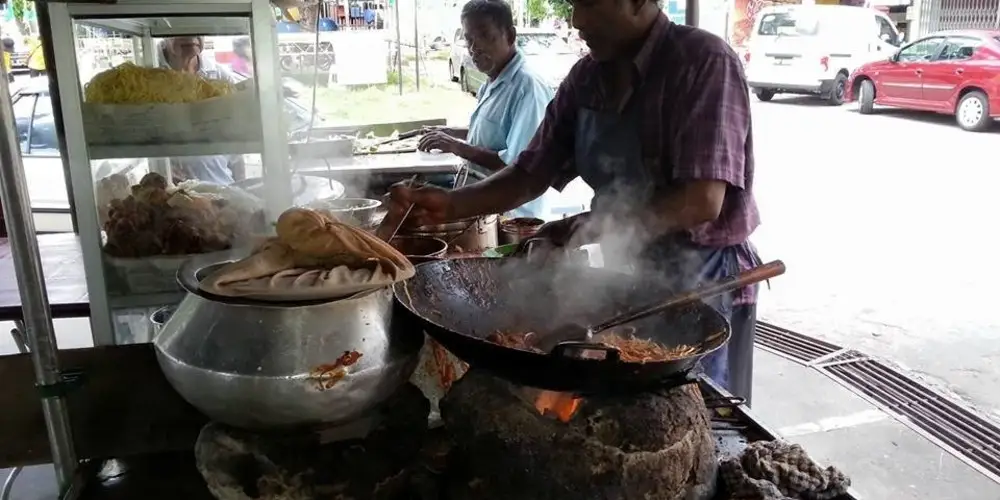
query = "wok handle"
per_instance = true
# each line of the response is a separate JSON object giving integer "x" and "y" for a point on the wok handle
{"x": 610, "y": 353}
{"x": 706, "y": 291}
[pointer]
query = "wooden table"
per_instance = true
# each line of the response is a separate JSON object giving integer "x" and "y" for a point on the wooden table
{"x": 65, "y": 278}
{"x": 65, "y": 282}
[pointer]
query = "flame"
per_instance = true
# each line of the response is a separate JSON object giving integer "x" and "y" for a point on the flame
{"x": 559, "y": 404}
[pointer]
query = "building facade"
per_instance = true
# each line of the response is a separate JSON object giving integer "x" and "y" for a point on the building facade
{"x": 928, "y": 16}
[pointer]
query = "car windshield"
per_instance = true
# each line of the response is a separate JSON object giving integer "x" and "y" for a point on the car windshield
{"x": 788, "y": 24}
{"x": 542, "y": 43}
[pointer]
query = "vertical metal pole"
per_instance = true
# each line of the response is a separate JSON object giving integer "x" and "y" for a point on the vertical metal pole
{"x": 48, "y": 51}
{"x": 416, "y": 43}
{"x": 34, "y": 302}
{"x": 691, "y": 13}
{"x": 399, "y": 51}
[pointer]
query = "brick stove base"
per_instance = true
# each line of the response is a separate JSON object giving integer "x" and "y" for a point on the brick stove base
{"x": 649, "y": 446}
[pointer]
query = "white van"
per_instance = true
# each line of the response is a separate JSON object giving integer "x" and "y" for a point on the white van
{"x": 812, "y": 49}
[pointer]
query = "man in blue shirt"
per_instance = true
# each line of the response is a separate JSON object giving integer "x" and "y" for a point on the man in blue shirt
{"x": 184, "y": 54}
{"x": 511, "y": 104}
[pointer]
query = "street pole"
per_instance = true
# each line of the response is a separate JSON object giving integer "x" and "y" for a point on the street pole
{"x": 31, "y": 284}
{"x": 416, "y": 43}
{"x": 399, "y": 50}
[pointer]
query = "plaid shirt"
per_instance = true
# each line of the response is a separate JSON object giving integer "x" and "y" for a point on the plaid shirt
{"x": 695, "y": 125}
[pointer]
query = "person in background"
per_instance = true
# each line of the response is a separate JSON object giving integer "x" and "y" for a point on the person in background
{"x": 369, "y": 15}
{"x": 657, "y": 121}
{"x": 184, "y": 54}
{"x": 36, "y": 57}
{"x": 511, "y": 103}
{"x": 8, "y": 57}
{"x": 243, "y": 64}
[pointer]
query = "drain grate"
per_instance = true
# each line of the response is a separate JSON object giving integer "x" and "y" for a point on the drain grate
{"x": 972, "y": 438}
{"x": 791, "y": 345}
{"x": 838, "y": 358}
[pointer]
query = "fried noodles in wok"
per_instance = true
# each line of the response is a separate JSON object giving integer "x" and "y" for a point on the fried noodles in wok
{"x": 631, "y": 349}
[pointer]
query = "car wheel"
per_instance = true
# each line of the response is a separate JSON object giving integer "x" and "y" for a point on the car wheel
{"x": 462, "y": 81}
{"x": 866, "y": 97}
{"x": 765, "y": 94}
{"x": 451, "y": 71}
{"x": 839, "y": 90}
{"x": 973, "y": 111}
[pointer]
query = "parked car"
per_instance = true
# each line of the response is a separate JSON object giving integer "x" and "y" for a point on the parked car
{"x": 952, "y": 72}
{"x": 812, "y": 49}
{"x": 43, "y": 167}
{"x": 545, "y": 51}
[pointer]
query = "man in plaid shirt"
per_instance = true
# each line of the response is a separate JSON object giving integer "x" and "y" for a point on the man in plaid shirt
{"x": 656, "y": 119}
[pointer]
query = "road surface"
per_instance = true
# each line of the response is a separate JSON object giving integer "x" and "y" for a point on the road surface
{"x": 886, "y": 223}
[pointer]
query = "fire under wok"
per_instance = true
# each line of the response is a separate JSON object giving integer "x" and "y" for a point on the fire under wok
{"x": 464, "y": 303}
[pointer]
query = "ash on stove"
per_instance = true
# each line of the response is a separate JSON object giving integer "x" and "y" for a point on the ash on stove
{"x": 304, "y": 465}
{"x": 648, "y": 446}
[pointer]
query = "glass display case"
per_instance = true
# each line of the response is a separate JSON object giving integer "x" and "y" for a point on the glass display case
{"x": 205, "y": 125}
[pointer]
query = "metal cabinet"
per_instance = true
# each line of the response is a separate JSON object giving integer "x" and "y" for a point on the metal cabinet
{"x": 117, "y": 299}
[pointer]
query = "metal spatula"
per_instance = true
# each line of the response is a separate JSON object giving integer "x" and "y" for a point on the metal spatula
{"x": 571, "y": 332}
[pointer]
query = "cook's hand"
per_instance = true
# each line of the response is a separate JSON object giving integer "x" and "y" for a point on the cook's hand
{"x": 552, "y": 237}
{"x": 437, "y": 139}
{"x": 430, "y": 203}
{"x": 560, "y": 232}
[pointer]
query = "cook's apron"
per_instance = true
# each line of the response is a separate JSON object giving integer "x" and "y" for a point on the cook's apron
{"x": 608, "y": 157}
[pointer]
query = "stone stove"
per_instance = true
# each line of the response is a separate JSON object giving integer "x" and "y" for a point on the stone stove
{"x": 499, "y": 441}
{"x": 514, "y": 442}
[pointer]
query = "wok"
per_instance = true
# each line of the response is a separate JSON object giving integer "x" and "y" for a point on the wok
{"x": 461, "y": 302}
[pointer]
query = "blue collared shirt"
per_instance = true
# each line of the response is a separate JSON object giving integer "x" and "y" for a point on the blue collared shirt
{"x": 508, "y": 112}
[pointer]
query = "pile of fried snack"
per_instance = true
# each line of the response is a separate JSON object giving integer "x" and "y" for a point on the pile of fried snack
{"x": 156, "y": 219}
{"x": 313, "y": 256}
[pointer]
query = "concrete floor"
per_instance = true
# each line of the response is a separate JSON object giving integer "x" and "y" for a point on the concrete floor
{"x": 885, "y": 459}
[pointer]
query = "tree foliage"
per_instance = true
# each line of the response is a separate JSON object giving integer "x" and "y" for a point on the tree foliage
{"x": 561, "y": 9}
{"x": 538, "y": 10}
{"x": 18, "y": 9}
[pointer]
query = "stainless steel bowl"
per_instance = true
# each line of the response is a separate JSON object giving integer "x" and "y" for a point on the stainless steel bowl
{"x": 256, "y": 365}
{"x": 360, "y": 212}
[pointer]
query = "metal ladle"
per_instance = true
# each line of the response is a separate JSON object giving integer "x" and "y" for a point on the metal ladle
{"x": 572, "y": 332}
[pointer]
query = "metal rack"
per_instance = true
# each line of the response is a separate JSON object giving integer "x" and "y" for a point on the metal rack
{"x": 144, "y": 20}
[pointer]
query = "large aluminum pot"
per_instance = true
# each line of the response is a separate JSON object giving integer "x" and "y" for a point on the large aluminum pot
{"x": 260, "y": 365}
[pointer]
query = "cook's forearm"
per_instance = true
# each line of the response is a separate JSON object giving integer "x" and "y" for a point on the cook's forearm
{"x": 505, "y": 190}
{"x": 481, "y": 156}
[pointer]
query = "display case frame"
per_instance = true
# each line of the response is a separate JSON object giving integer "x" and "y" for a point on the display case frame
{"x": 143, "y": 20}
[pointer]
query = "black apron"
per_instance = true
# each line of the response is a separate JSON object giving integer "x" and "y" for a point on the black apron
{"x": 608, "y": 157}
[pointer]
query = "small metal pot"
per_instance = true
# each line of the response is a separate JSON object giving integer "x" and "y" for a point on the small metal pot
{"x": 359, "y": 212}
{"x": 464, "y": 235}
{"x": 420, "y": 249}
{"x": 519, "y": 229}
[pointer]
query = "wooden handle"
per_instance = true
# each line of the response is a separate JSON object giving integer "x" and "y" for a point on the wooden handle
{"x": 706, "y": 291}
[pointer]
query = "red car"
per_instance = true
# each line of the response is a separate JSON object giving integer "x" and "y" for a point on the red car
{"x": 952, "y": 72}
